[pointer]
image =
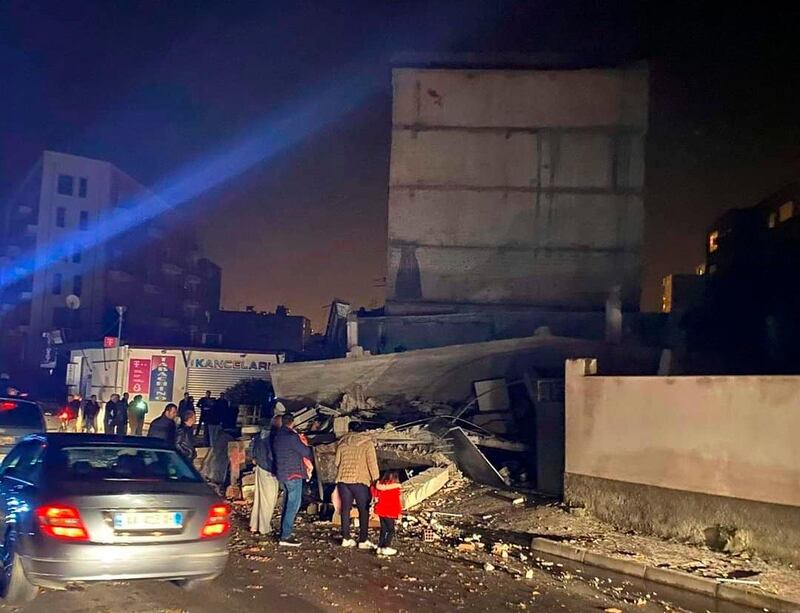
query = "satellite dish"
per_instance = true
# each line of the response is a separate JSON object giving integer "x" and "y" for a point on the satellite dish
{"x": 73, "y": 302}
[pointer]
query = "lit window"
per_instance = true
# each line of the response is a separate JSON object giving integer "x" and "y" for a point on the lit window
{"x": 56, "y": 286}
{"x": 61, "y": 217}
{"x": 66, "y": 185}
{"x": 84, "y": 221}
{"x": 713, "y": 241}
{"x": 77, "y": 285}
{"x": 772, "y": 220}
{"x": 83, "y": 184}
{"x": 785, "y": 211}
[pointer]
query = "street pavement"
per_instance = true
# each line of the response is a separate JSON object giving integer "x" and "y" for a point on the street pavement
{"x": 323, "y": 577}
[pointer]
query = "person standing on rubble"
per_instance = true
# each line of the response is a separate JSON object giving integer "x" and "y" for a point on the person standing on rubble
{"x": 356, "y": 471}
{"x": 266, "y": 493}
{"x": 289, "y": 452}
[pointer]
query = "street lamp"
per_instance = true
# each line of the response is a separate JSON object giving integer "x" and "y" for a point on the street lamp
{"x": 120, "y": 312}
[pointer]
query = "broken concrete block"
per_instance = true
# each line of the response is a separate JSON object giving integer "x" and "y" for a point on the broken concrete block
{"x": 341, "y": 426}
{"x": 492, "y": 395}
{"x": 424, "y": 485}
{"x": 466, "y": 547}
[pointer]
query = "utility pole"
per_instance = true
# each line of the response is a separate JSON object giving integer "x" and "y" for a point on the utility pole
{"x": 120, "y": 312}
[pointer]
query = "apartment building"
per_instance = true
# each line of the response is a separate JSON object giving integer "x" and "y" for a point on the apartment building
{"x": 58, "y": 242}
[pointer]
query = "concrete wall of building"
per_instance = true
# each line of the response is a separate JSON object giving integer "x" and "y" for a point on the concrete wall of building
{"x": 516, "y": 187}
{"x": 388, "y": 334}
{"x": 730, "y": 441}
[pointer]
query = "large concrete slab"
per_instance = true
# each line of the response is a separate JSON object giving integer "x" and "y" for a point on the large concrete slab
{"x": 446, "y": 374}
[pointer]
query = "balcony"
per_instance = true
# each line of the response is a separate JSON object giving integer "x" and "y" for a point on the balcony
{"x": 31, "y": 229}
{"x": 192, "y": 279}
{"x": 171, "y": 269}
{"x": 119, "y": 275}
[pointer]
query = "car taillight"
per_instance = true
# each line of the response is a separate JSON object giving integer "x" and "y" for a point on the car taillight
{"x": 218, "y": 521}
{"x": 7, "y": 405}
{"x": 61, "y": 522}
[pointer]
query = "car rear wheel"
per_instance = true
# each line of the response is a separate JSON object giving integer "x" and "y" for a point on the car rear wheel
{"x": 14, "y": 585}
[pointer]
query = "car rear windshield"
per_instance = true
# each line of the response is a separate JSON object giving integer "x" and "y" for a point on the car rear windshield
{"x": 20, "y": 414}
{"x": 97, "y": 463}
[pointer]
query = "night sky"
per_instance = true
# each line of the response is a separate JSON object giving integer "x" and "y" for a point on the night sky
{"x": 153, "y": 86}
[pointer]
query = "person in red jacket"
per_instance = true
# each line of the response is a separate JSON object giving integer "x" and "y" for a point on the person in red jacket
{"x": 388, "y": 508}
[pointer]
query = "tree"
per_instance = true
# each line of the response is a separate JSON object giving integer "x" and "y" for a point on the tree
{"x": 251, "y": 392}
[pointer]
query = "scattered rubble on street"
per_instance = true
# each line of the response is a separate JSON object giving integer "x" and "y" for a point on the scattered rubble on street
{"x": 466, "y": 494}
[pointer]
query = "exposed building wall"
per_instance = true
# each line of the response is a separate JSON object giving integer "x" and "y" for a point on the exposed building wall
{"x": 389, "y": 334}
{"x": 515, "y": 187}
{"x": 634, "y": 443}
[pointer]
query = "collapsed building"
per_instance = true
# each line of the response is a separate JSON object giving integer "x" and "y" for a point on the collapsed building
{"x": 515, "y": 217}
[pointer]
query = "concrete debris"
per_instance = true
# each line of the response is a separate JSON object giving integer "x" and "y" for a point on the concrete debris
{"x": 423, "y": 486}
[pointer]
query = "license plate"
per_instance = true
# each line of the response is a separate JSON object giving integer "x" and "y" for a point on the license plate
{"x": 148, "y": 521}
{"x": 6, "y": 440}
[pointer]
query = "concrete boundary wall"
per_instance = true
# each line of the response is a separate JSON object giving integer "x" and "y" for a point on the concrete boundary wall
{"x": 684, "y": 456}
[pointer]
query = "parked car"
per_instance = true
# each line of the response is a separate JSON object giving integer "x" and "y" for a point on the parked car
{"x": 18, "y": 418}
{"x": 78, "y": 508}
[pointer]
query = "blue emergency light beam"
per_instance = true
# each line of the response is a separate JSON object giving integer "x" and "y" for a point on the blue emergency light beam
{"x": 262, "y": 142}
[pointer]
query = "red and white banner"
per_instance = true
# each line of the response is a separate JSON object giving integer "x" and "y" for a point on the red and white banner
{"x": 138, "y": 376}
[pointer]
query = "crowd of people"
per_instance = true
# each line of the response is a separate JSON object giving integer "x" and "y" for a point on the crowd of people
{"x": 282, "y": 459}
{"x": 179, "y": 424}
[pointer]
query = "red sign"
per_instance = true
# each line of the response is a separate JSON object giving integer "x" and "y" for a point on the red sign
{"x": 109, "y": 342}
{"x": 139, "y": 376}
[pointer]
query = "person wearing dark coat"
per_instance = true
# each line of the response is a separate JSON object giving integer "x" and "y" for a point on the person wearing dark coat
{"x": 205, "y": 404}
{"x": 186, "y": 404}
{"x": 90, "y": 410}
{"x": 225, "y": 413}
{"x": 289, "y": 451}
{"x": 163, "y": 427}
{"x": 110, "y": 417}
{"x": 184, "y": 437}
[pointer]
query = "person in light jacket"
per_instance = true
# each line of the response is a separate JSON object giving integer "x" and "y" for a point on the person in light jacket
{"x": 266, "y": 494}
{"x": 356, "y": 470}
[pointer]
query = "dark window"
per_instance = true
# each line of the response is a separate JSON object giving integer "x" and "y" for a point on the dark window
{"x": 25, "y": 461}
{"x": 20, "y": 414}
{"x": 77, "y": 285}
{"x": 66, "y": 185}
{"x": 76, "y": 255}
{"x": 83, "y": 184}
{"x": 61, "y": 217}
{"x": 56, "y": 288}
{"x": 123, "y": 464}
{"x": 84, "y": 220}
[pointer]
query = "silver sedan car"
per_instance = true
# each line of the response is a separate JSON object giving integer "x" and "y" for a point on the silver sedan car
{"x": 78, "y": 508}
